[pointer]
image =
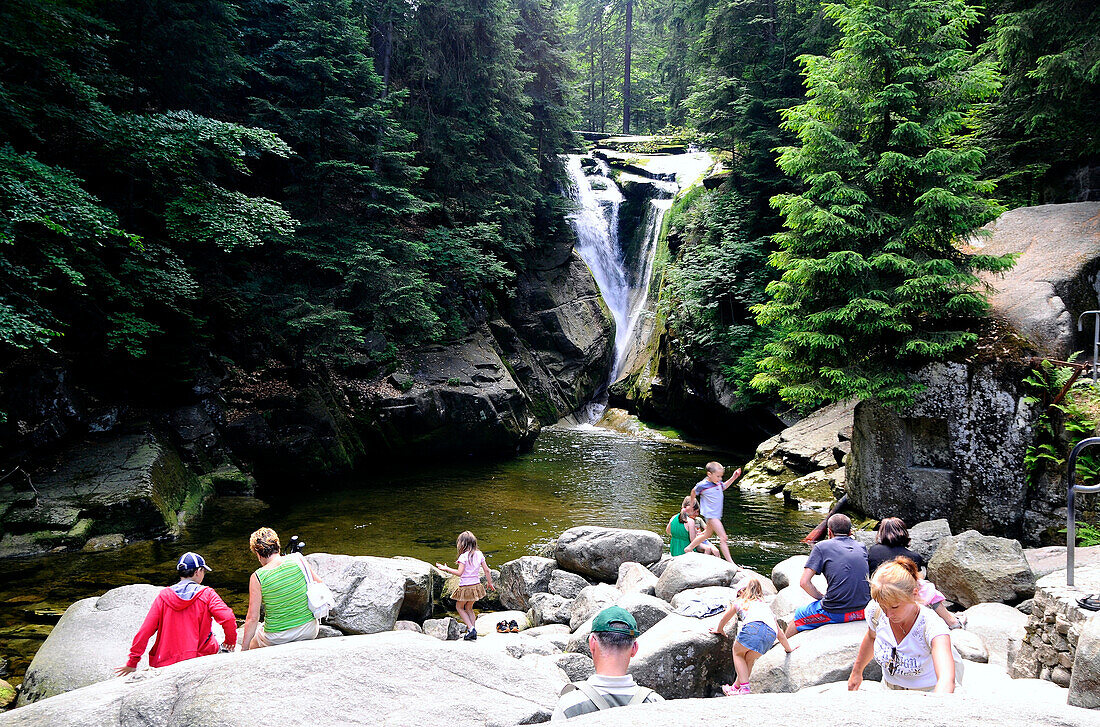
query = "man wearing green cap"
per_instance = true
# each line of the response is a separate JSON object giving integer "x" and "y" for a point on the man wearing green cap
{"x": 613, "y": 643}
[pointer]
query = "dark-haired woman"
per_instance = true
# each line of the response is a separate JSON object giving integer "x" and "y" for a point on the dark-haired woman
{"x": 893, "y": 537}
{"x": 280, "y": 585}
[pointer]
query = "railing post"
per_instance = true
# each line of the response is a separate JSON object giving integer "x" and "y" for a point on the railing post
{"x": 1071, "y": 489}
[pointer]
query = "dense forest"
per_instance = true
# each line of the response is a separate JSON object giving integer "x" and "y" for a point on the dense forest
{"x": 310, "y": 180}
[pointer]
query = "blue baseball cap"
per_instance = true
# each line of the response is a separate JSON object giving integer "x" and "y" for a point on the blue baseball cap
{"x": 192, "y": 561}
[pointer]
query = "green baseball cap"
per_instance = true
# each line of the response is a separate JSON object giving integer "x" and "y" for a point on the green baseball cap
{"x": 616, "y": 620}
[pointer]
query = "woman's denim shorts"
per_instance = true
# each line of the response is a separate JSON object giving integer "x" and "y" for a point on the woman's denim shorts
{"x": 756, "y": 635}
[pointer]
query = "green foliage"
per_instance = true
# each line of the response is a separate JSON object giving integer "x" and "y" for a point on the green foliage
{"x": 1061, "y": 425}
{"x": 1042, "y": 126}
{"x": 1087, "y": 534}
{"x": 873, "y": 283}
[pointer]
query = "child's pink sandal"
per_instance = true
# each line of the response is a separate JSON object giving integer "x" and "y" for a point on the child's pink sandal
{"x": 745, "y": 689}
{"x": 731, "y": 689}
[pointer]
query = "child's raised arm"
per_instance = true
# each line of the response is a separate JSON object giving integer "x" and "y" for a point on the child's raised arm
{"x": 452, "y": 571}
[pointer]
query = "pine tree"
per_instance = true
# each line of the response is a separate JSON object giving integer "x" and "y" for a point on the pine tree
{"x": 873, "y": 280}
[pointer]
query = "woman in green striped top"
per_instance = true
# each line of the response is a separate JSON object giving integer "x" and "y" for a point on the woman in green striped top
{"x": 280, "y": 585}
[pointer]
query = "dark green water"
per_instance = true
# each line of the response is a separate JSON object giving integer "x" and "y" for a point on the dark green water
{"x": 572, "y": 477}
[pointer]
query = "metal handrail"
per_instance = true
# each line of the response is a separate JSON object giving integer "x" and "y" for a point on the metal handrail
{"x": 1073, "y": 488}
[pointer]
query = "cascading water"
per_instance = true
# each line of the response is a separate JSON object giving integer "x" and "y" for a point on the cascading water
{"x": 623, "y": 283}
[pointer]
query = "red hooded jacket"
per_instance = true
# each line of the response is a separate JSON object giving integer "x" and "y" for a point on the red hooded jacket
{"x": 183, "y": 627}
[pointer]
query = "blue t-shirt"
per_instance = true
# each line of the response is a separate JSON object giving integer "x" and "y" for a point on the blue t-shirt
{"x": 843, "y": 562}
{"x": 710, "y": 496}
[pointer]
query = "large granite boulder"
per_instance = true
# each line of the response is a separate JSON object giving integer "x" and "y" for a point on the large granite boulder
{"x": 133, "y": 484}
{"x": 694, "y": 570}
{"x": 956, "y": 453}
{"x": 423, "y": 585}
{"x": 789, "y": 600}
{"x": 646, "y": 610}
{"x": 413, "y": 680}
{"x": 522, "y": 578}
{"x": 566, "y": 584}
{"x": 811, "y": 445}
{"x": 591, "y": 601}
{"x": 823, "y": 655}
{"x": 368, "y": 591}
{"x": 788, "y": 572}
{"x": 996, "y": 624}
{"x": 1052, "y": 281}
{"x": 1084, "y": 684}
{"x": 925, "y": 537}
{"x": 598, "y": 552}
{"x": 972, "y": 568}
{"x": 546, "y": 608}
{"x": 679, "y": 658}
{"x": 1019, "y": 708}
{"x": 635, "y": 578}
{"x": 91, "y": 640}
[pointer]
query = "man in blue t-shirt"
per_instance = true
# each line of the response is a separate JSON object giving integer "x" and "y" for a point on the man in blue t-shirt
{"x": 843, "y": 561}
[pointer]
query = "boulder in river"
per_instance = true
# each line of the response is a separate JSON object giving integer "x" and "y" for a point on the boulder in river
{"x": 972, "y": 568}
{"x": 522, "y": 578}
{"x": 90, "y": 641}
{"x": 598, "y": 552}
{"x": 413, "y": 680}
{"x": 369, "y": 591}
{"x": 694, "y": 570}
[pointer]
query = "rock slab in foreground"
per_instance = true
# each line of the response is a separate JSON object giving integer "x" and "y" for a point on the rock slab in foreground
{"x": 972, "y": 568}
{"x": 90, "y": 641}
{"x": 598, "y": 552}
{"x": 414, "y": 680}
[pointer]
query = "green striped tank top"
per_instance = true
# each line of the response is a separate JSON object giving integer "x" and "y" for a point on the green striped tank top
{"x": 283, "y": 592}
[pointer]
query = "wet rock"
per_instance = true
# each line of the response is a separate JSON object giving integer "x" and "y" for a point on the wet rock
{"x": 972, "y": 568}
{"x": 522, "y": 578}
{"x": 328, "y": 677}
{"x": 815, "y": 491}
{"x": 635, "y": 578}
{"x": 694, "y": 570}
{"x": 598, "y": 552}
{"x": 7, "y": 694}
{"x": 566, "y": 584}
{"x": 823, "y": 655}
{"x": 956, "y": 453}
{"x": 368, "y": 591}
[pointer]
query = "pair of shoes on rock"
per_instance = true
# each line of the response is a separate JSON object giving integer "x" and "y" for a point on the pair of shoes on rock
{"x": 731, "y": 689}
{"x": 471, "y": 635}
{"x": 508, "y": 627}
{"x": 502, "y": 627}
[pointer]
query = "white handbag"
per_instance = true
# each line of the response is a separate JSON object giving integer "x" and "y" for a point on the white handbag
{"x": 318, "y": 595}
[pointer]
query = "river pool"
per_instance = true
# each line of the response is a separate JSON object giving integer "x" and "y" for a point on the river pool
{"x": 573, "y": 476}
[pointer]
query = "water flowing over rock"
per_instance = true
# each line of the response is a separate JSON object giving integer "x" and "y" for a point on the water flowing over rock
{"x": 598, "y": 552}
{"x": 972, "y": 568}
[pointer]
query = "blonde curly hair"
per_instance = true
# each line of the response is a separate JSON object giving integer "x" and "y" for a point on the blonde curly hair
{"x": 264, "y": 542}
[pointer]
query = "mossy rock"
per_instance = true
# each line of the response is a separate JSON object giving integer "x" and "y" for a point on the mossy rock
{"x": 7, "y": 694}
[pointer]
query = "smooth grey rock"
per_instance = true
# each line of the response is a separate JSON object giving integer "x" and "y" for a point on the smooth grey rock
{"x": 1084, "y": 685}
{"x": 90, "y": 641}
{"x": 369, "y": 591}
{"x": 972, "y": 568}
{"x": 996, "y": 624}
{"x": 566, "y": 584}
{"x": 521, "y": 646}
{"x": 925, "y": 537}
{"x": 1019, "y": 708}
{"x": 444, "y": 629}
{"x": 646, "y": 610}
{"x": 546, "y": 608}
{"x": 694, "y": 570}
{"x": 969, "y": 646}
{"x": 522, "y": 578}
{"x": 591, "y": 601}
{"x": 658, "y": 568}
{"x": 788, "y": 572}
{"x": 549, "y": 630}
{"x": 328, "y": 632}
{"x": 679, "y": 658}
{"x": 598, "y": 552}
{"x": 486, "y": 623}
{"x": 423, "y": 584}
{"x": 766, "y": 586}
{"x": 635, "y": 578}
{"x": 824, "y": 655}
{"x": 957, "y": 452}
{"x": 577, "y": 667}
{"x": 466, "y": 684}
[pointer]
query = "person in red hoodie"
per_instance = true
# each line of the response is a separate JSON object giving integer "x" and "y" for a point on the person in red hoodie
{"x": 181, "y": 617}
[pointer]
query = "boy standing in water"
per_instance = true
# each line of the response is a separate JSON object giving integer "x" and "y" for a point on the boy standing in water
{"x": 710, "y": 493}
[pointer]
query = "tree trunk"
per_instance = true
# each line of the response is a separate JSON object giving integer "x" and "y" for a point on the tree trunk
{"x": 626, "y": 66}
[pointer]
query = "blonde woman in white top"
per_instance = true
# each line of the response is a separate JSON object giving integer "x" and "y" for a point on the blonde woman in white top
{"x": 909, "y": 641}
